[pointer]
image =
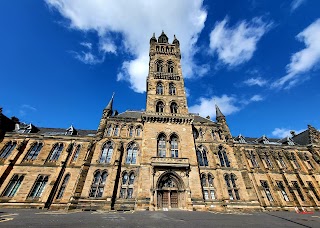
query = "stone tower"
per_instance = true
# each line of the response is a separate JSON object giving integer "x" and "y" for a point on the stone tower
{"x": 169, "y": 173}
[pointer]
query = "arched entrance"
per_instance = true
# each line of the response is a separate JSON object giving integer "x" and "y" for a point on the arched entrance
{"x": 170, "y": 191}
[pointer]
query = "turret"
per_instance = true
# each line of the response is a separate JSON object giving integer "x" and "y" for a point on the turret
{"x": 163, "y": 38}
{"x": 221, "y": 119}
{"x": 107, "y": 112}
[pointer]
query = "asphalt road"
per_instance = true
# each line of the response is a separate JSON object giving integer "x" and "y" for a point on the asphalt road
{"x": 167, "y": 219}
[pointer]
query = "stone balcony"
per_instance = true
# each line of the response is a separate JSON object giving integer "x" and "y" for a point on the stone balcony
{"x": 170, "y": 162}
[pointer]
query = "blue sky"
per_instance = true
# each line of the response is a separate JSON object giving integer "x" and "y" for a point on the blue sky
{"x": 258, "y": 60}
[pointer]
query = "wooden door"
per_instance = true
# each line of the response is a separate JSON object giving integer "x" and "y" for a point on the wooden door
{"x": 165, "y": 199}
{"x": 174, "y": 199}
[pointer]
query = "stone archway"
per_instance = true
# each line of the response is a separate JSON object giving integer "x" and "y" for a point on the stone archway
{"x": 170, "y": 191}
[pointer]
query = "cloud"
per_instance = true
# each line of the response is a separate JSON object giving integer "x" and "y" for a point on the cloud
{"x": 255, "y": 81}
{"x": 87, "y": 45}
{"x": 296, "y": 4}
{"x": 236, "y": 45}
{"x": 304, "y": 60}
{"x": 134, "y": 22}
{"x": 227, "y": 104}
{"x": 284, "y": 132}
{"x": 87, "y": 57}
{"x": 25, "y": 108}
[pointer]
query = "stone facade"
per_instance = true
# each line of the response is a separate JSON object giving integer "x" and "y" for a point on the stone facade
{"x": 163, "y": 157}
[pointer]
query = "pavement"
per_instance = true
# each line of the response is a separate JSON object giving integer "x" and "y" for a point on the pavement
{"x": 167, "y": 219}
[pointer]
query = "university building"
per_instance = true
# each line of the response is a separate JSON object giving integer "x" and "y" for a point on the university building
{"x": 160, "y": 158}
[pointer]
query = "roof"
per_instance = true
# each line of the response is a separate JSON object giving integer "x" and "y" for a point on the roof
{"x": 62, "y": 131}
{"x": 129, "y": 114}
{"x": 200, "y": 119}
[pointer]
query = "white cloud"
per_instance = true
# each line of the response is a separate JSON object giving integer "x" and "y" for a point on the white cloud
{"x": 87, "y": 45}
{"x": 227, "y": 104}
{"x": 284, "y": 132}
{"x": 136, "y": 21}
{"x": 88, "y": 57}
{"x": 296, "y": 4}
{"x": 255, "y": 81}
{"x": 304, "y": 60}
{"x": 236, "y": 45}
{"x": 25, "y": 108}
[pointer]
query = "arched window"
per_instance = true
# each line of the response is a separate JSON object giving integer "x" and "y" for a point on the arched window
{"x": 210, "y": 180}
{"x": 231, "y": 186}
{"x": 56, "y": 152}
{"x": 109, "y": 130}
{"x": 295, "y": 162}
{"x": 174, "y": 107}
{"x": 207, "y": 187}
{"x": 97, "y": 186}
{"x": 7, "y": 149}
{"x": 195, "y": 133}
{"x": 161, "y": 145}
{"x": 116, "y": 130}
{"x": 160, "y": 106}
{"x": 34, "y": 151}
{"x": 106, "y": 153}
{"x": 281, "y": 161}
{"x": 174, "y": 146}
{"x": 132, "y": 154}
{"x": 308, "y": 161}
{"x": 76, "y": 153}
{"x": 172, "y": 89}
{"x": 63, "y": 186}
{"x": 170, "y": 67}
{"x": 268, "y": 160}
{"x": 224, "y": 161}
{"x": 138, "y": 131}
{"x": 159, "y": 89}
{"x": 266, "y": 188}
{"x": 203, "y": 180}
{"x": 202, "y": 156}
{"x": 130, "y": 131}
{"x": 13, "y": 185}
{"x": 159, "y": 65}
{"x": 38, "y": 187}
{"x": 126, "y": 191}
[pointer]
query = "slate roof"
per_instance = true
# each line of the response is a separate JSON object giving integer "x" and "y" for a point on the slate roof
{"x": 129, "y": 114}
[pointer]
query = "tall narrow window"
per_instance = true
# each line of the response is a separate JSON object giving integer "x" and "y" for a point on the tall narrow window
{"x": 282, "y": 162}
{"x": 7, "y": 149}
{"x": 130, "y": 131}
{"x": 13, "y": 185}
{"x": 174, "y": 146}
{"x": 202, "y": 156}
{"x": 76, "y": 153}
{"x": 106, "y": 153}
{"x": 170, "y": 67}
{"x": 313, "y": 190}
{"x": 56, "y": 152}
{"x": 297, "y": 187}
{"x": 308, "y": 161}
{"x": 63, "y": 186}
{"x": 34, "y": 151}
{"x": 159, "y": 66}
{"x": 224, "y": 161}
{"x": 126, "y": 191}
{"x": 172, "y": 89}
{"x": 268, "y": 160}
{"x": 138, "y": 131}
{"x": 160, "y": 106}
{"x": 109, "y": 130}
{"x": 210, "y": 180}
{"x": 282, "y": 190}
{"x": 295, "y": 162}
{"x": 203, "y": 180}
{"x": 39, "y": 186}
{"x": 174, "y": 107}
{"x": 116, "y": 130}
{"x": 253, "y": 159}
{"x": 159, "y": 88}
{"x": 231, "y": 187}
{"x": 132, "y": 154}
{"x": 266, "y": 188}
{"x": 97, "y": 186}
{"x": 162, "y": 145}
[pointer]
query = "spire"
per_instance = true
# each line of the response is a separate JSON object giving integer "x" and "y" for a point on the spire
{"x": 109, "y": 106}
{"x": 153, "y": 38}
{"x": 218, "y": 112}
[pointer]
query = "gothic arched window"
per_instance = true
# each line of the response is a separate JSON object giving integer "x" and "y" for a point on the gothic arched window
{"x": 231, "y": 186}
{"x": 130, "y": 131}
{"x": 160, "y": 106}
{"x": 56, "y": 152}
{"x": 159, "y": 89}
{"x": 13, "y": 185}
{"x": 63, "y": 186}
{"x": 170, "y": 67}
{"x": 174, "y": 107}
{"x": 109, "y": 130}
{"x": 138, "y": 131}
{"x": 159, "y": 66}
{"x": 210, "y": 180}
{"x": 98, "y": 183}
{"x": 295, "y": 162}
{"x": 224, "y": 161}
{"x": 106, "y": 153}
{"x": 172, "y": 89}
{"x": 174, "y": 146}
{"x": 266, "y": 188}
{"x": 132, "y": 154}
{"x": 7, "y": 149}
{"x": 34, "y": 151}
{"x": 203, "y": 180}
{"x": 126, "y": 191}
{"x": 161, "y": 145}
{"x": 76, "y": 153}
{"x": 116, "y": 130}
{"x": 202, "y": 156}
{"x": 38, "y": 187}
{"x": 253, "y": 159}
